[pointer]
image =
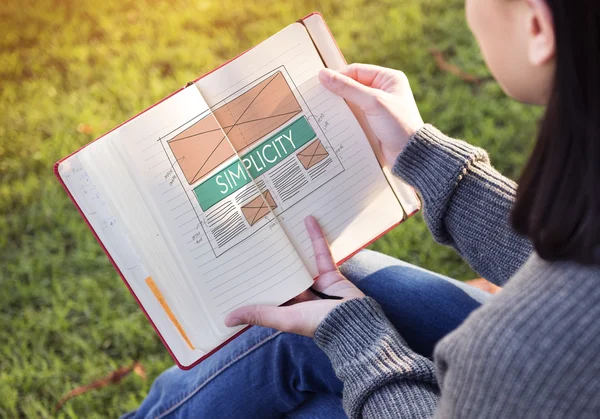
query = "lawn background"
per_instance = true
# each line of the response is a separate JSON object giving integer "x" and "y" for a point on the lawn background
{"x": 71, "y": 70}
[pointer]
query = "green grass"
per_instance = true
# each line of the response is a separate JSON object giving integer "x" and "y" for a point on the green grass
{"x": 65, "y": 316}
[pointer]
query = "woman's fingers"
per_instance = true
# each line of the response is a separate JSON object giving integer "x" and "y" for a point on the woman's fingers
{"x": 370, "y": 75}
{"x": 301, "y": 319}
{"x": 347, "y": 87}
{"x": 326, "y": 267}
{"x": 287, "y": 319}
{"x": 323, "y": 257}
{"x": 257, "y": 315}
{"x": 362, "y": 73}
{"x": 376, "y": 77}
{"x": 302, "y": 314}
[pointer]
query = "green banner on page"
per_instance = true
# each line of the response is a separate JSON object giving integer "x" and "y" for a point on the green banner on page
{"x": 256, "y": 162}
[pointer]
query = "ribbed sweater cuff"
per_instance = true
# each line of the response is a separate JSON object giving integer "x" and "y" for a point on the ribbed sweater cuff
{"x": 351, "y": 328}
{"x": 354, "y": 333}
{"x": 367, "y": 353}
{"x": 434, "y": 163}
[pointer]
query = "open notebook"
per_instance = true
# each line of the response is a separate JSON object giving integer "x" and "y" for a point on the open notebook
{"x": 199, "y": 201}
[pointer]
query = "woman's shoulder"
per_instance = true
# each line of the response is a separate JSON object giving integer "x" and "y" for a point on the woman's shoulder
{"x": 544, "y": 301}
{"x": 533, "y": 343}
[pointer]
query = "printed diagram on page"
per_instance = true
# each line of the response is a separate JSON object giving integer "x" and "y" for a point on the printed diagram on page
{"x": 282, "y": 149}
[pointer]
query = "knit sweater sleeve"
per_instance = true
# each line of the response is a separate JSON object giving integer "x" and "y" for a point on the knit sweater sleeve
{"x": 466, "y": 202}
{"x": 383, "y": 378}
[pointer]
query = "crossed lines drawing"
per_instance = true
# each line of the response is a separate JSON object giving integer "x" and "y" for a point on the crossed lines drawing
{"x": 245, "y": 120}
{"x": 258, "y": 207}
{"x": 313, "y": 154}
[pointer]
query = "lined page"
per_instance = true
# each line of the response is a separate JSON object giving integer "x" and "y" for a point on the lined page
{"x": 353, "y": 207}
{"x": 328, "y": 168}
{"x": 229, "y": 256}
{"x": 108, "y": 227}
{"x": 333, "y": 58}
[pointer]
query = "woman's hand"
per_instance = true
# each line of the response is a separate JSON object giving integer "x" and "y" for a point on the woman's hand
{"x": 384, "y": 95}
{"x": 304, "y": 313}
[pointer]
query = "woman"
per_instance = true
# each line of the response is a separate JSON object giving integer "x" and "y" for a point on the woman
{"x": 533, "y": 350}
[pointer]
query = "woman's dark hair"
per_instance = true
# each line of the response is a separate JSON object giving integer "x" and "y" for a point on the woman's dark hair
{"x": 558, "y": 199}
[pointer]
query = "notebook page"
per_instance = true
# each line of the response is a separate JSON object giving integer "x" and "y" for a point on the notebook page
{"x": 333, "y": 58}
{"x": 140, "y": 226}
{"x": 230, "y": 256}
{"x": 108, "y": 228}
{"x": 302, "y": 144}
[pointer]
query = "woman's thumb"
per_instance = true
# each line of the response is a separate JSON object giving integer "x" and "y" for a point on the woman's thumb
{"x": 255, "y": 315}
{"x": 346, "y": 87}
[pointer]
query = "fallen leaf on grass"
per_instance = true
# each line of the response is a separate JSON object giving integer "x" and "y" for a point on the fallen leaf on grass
{"x": 138, "y": 369}
{"x": 444, "y": 65}
{"x": 112, "y": 378}
{"x": 85, "y": 129}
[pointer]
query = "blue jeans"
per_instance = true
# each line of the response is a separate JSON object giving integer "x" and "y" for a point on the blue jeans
{"x": 269, "y": 374}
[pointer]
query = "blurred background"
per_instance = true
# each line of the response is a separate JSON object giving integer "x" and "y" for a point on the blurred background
{"x": 72, "y": 69}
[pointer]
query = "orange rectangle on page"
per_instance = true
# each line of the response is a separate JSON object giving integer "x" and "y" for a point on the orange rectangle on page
{"x": 165, "y": 307}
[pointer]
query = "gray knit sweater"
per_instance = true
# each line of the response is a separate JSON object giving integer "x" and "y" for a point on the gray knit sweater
{"x": 533, "y": 350}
